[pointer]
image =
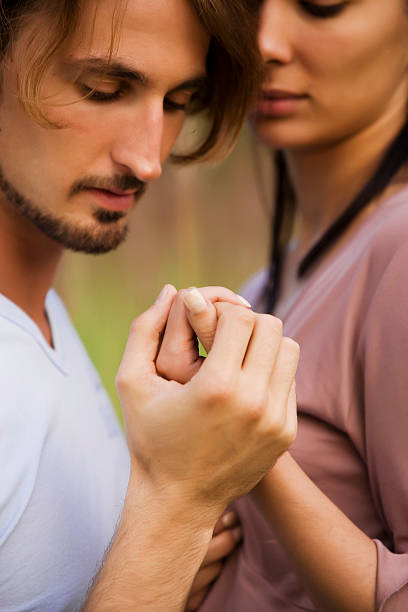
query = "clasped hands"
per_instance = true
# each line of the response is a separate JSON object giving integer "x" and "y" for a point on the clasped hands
{"x": 205, "y": 431}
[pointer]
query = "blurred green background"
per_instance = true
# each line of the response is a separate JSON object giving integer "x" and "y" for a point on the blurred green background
{"x": 206, "y": 224}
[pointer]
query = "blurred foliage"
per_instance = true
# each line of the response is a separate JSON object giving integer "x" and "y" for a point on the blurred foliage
{"x": 199, "y": 225}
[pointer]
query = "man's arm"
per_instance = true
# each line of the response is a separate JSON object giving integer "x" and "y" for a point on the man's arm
{"x": 158, "y": 548}
{"x": 193, "y": 448}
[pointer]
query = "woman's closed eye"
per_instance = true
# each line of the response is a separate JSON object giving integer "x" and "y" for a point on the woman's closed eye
{"x": 321, "y": 10}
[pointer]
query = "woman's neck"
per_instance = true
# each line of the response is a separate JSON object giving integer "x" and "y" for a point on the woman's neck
{"x": 327, "y": 179}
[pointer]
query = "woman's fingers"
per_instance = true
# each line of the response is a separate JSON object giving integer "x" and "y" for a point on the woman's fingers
{"x": 201, "y": 312}
{"x": 222, "y": 545}
{"x": 196, "y": 600}
{"x": 205, "y": 577}
{"x": 192, "y": 315}
{"x": 178, "y": 358}
{"x": 227, "y": 521}
{"x": 201, "y": 315}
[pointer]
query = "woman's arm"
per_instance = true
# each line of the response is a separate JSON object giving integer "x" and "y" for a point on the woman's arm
{"x": 335, "y": 560}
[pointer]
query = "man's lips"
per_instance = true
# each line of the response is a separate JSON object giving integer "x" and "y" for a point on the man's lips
{"x": 113, "y": 199}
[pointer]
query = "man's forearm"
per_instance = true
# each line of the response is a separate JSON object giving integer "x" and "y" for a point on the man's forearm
{"x": 154, "y": 557}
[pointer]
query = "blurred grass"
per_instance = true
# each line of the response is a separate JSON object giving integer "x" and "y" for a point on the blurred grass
{"x": 198, "y": 225}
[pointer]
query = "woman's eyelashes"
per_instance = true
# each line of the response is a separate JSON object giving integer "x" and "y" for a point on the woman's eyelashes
{"x": 99, "y": 96}
{"x": 324, "y": 11}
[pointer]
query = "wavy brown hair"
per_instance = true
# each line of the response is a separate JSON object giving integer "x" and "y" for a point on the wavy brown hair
{"x": 233, "y": 62}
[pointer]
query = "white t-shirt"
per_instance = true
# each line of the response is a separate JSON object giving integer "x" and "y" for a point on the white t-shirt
{"x": 64, "y": 464}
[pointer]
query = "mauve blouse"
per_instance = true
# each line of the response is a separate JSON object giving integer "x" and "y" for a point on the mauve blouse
{"x": 351, "y": 321}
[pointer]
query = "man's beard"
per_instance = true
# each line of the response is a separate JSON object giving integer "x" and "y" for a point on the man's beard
{"x": 105, "y": 235}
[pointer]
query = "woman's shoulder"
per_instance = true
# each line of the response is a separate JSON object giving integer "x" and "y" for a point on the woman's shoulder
{"x": 254, "y": 287}
{"x": 386, "y": 232}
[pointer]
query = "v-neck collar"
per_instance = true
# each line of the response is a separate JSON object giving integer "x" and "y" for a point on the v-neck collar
{"x": 10, "y": 311}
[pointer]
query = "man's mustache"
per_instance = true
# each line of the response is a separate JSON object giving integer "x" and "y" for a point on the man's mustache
{"x": 118, "y": 182}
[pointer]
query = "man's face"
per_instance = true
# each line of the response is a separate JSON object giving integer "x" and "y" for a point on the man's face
{"x": 78, "y": 184}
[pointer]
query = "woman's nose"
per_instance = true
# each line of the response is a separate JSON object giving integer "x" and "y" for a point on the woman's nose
{"x": 274, "y": 32}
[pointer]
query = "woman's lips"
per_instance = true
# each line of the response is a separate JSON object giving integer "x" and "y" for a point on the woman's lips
{"x": 278, "y": 103}
{"x": 113, "y": 201}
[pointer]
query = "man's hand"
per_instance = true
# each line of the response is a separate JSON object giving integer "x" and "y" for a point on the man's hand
{"x": 212, "y": 439}
{"x": 194, "y": 447}
{"x": 226, "y": 536}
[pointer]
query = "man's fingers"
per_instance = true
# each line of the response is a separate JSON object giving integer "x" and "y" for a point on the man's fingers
{"x": 292, "y": 416}
{"x": 234, "y": 330}
{"x": 284, "y": 371}
{"x": 263, "y": 348}
{"x": 144, "y": 337}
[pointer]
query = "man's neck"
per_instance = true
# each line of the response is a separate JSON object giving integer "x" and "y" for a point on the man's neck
{"x": 28, "y": 262}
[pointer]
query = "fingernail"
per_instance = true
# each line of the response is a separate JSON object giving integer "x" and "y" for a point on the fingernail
{"x": 228, "y": 519}
{"x": 244, "y": 301}
{"x": 162, "y": 294}
{"x": 237, "y": 534}
{"x": 194, "y": 301}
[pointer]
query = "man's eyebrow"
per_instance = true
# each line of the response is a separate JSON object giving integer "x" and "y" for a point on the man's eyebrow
{"x": 193, "y": 84}
{"x": 104, "y": 67}
{"x": 119, "y": 70}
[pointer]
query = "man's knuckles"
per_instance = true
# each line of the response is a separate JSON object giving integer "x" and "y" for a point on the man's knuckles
{"x": 253, "y": 404}
{"x": 238, "y": 317}
{"x": 271, "y": 326}
{"x": 216, "y": 389}
{"x": 290, "y": 350}
{"x": 124, "y": 380}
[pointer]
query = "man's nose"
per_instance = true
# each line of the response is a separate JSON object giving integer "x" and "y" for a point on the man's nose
{"x": 273, "y": 32}
{"x": 138, "y": 143}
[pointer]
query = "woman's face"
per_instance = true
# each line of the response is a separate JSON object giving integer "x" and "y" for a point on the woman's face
{"x": 333, "y": 69}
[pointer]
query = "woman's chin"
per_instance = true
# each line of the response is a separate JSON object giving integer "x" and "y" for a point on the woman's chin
{"x": 281, "y": 134}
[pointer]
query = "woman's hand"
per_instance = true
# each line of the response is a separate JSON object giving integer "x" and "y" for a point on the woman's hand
{"x": 193, "y": 314}
{"x": 226, "y": 536}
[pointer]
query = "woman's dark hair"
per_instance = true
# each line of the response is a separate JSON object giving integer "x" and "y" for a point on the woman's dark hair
{"x": 394, "y": 158}
{"x": 233, "y": 64}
